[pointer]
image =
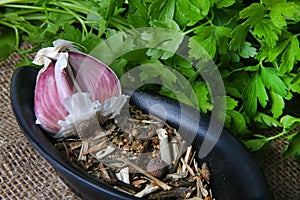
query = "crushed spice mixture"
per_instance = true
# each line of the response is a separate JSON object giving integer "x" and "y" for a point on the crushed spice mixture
{"x": 145, "y": 158}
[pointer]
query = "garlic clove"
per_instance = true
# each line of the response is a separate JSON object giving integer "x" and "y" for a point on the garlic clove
{"x": 94, "y": 77}
{"x": 47, "y": 106}
{"x": 63, "y": 81}
{"x": 74, "y": 93}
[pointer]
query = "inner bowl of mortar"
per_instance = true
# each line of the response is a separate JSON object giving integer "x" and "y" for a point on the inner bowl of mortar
{"x": 235, "y": 173}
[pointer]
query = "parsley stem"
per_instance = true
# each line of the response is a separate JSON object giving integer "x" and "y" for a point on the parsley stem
{"x": 119, "y": 24}
{"x": 258, "y": 40}
{"x": 32, "y": 17}
{"x": 34, "y": 8}
{"x": 80, "y": 8}
{"x": 277, "y": 136}
{"x": 120, "y": 21}
{"x": 76, "y": 16}
{"x": 3, "y": 2}
{"x": 275, "y": 64}
{"x": 16, "y": 32}
{"x": 22, "y": 12}
{"x": 195, "y": 28}
{"x": 14, "y": 26}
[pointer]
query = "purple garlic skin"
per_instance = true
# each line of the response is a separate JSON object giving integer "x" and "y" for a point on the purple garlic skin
{"x": 101, "y": 84}
{"x": 48, "y": 108}
{"x": 73, "y": 87}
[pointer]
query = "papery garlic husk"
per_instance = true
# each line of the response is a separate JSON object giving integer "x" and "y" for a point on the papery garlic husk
{"x": 72, "y": 90}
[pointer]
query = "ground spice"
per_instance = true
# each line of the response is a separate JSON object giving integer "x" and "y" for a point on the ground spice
{"x": 131, "y": 159}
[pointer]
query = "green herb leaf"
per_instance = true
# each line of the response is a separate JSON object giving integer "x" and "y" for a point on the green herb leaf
{"x": 256, "y": 144}
{"x": 266, "y": 119}
{"x": 293, "y": 148}
{"x": 224, "y": 3}
{"x": 71, "y": 33}
{"x": 271, "y": 54}
{"x": 231, "y": 103}
{"x": 277, "y": 104}
{"x": 254, "y": 91}
{"x": 137, "y": 17}
{"x": 193, "y": 10}
{"x": 202, "y": 94}
{"x": 255, "y": 13}
{"x": 206, "y": 38}
{"x": 272, "y": 81}
{"x": 238, "y": 123}
{"x": 8, "y": 42}
{"x": 239, "y": 34}
{"x": 280, "y": 9}
{"x": 247, "y": 51}
{"x": 209, "y": 37}
{"x": 290, "y": 56}
{"x": 162, "y": 9}
{"x": 289, "y": 122}
{"x": 267, "y": 31}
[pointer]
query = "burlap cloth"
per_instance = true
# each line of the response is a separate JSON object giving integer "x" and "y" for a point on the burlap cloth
{"x": 24, "y": 174}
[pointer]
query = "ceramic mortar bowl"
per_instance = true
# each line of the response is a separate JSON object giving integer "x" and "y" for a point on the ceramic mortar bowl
{"x": 235, "y": 173}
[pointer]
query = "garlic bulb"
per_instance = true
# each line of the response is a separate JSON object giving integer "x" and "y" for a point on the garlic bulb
{"x": 72, "y": 90}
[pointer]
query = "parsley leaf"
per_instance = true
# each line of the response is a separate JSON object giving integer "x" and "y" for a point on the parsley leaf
{"x": 202, "y": 94}
{"x": 8, "y": 42}
{"x": 280, "y": 9}
{"x": 137, "y": 17}
{"x": 224, "y": 3}
{"x": 248, "y": 51}
{"x": 293, "y": 149}
{"x": 256, "y": 144}
{"x": 265, "y": 119}
{"x": 193, "y": 10}
{"x": 267, "y": 31}
{"x": 289, "y": 122}
{"x": 209, "y": 37}
{"x": 254, "y": 91}
{"x": 162, "y": 9}
{"x": 239, "y": 34}
{"x": 272, "y": 81}
{"x": 255, "y": 13}
{"x": 277, "y": 104}
{"x": 290, "y": 56}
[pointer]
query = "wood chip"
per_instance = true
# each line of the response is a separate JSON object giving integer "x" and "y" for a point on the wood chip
{"x": 104, "y": 152}
{"x": 199, "y": 182}
{"x": 123, "y": 175}
{"x": 96, "y": 147}
{"x": 187, "y": 156}
{"x": 84, "y": 147}
{"x": 155, "y": 180}
{"x": 104, "y": 172}
{"x": 205, "y": 172}
{"x": 175, "y": 176}
{"x": 164, "y": 145}
{"x": 75, "y": 145}
{"x": 148, "y": 189}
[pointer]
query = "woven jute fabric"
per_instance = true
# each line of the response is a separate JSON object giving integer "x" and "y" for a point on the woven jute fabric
{"x": 24, "y": 174}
